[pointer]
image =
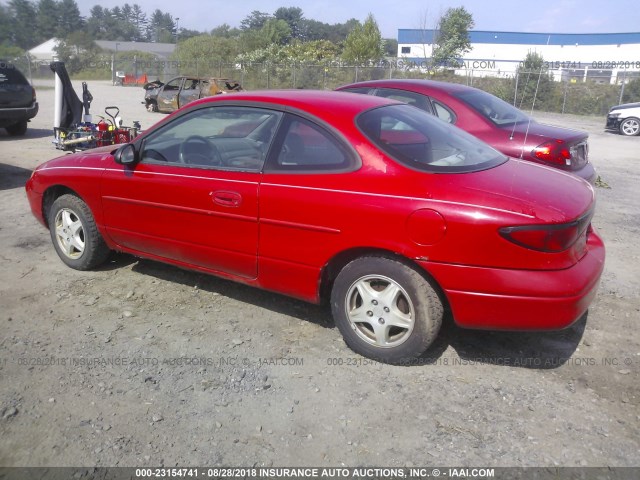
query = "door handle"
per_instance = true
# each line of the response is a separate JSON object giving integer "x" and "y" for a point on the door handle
{"x": 226, "y": 199}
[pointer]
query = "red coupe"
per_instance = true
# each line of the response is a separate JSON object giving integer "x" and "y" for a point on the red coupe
{"x": 386, "y": 212}
{"x": 492, "y": 120}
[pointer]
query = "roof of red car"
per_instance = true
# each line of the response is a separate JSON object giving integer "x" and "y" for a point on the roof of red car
{"x": 413, "y": 83}
{"x": 318, "y": 102}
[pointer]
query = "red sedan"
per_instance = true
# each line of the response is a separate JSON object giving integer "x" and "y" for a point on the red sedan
{"x": 492, "y": 120}
{"x": 386, "y": 212}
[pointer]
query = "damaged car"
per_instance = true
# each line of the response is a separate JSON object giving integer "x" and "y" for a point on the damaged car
{"x": 177, "y": 92}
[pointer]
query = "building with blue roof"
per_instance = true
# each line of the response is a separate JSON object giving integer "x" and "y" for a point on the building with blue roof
{"x": 601, "y": 57}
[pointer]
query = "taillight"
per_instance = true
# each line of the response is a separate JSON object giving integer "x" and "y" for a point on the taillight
{"x": 555, "y": 152}
{"x": 33, "y": 94}
{"x": 547, "y": 238}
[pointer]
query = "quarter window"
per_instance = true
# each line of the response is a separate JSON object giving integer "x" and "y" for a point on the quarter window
{"x": 443, "y": 113}
{"x": 304, "y": 146}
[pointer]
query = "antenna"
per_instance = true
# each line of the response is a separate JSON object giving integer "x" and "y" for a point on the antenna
{"x": 533, "y": 104}
{"x": 521, "y": 101}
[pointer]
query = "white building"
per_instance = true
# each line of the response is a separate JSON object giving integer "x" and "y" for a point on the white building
{"x": 602, "y": 57}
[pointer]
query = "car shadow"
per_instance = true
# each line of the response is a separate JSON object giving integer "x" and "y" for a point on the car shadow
{"x": 31, "y": 133}
{"x": 12, "y": 176}
{"x": 535, "y": 350}
{"x": 316, "y": 314}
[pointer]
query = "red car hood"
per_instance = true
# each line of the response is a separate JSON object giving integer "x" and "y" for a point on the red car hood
{"x": 89, "y": 158}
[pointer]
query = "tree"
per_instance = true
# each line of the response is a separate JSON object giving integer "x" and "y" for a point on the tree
{"x": 21, "y": 14}
{"x": 225, "y": 31}
{"x": 632, "y": 91}
{"x": 390, "y": 47}
{"x": 70, "y": 19}
{"x": 534, "y": 84}
{"x": 139, "y": 20}
{"x": 316, "y": 51}
{"x": 161, "y": 27}
{"x": 77, "y": 51}
{"x": 254, "y": 21}
{"x": 275, "y": 31}
{"x": 96, "y": 23}
{"x": 364, "y": 43}
{"x": 452, "y": 40}
{"x": 206, "y": 47}
{"x": 5, "y": 25}
{"x": 294, "y": 18}
{"x": 47, "y": 18}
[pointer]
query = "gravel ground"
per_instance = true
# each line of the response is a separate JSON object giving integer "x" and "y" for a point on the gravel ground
{"x": 140, "y": 363}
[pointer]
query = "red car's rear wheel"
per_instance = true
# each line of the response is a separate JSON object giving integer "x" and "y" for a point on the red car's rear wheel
{"x": 385, "y": 309}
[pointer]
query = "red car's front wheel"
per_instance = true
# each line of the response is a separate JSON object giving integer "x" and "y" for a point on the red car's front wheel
{"x": 75, "y": 235}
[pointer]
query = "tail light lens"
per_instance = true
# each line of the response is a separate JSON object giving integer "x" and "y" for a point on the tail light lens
{"x": 548, "y": 238}
{"x": 33, "y": 94}
{"x": 555, "y": 152}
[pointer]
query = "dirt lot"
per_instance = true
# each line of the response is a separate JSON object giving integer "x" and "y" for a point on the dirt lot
{"x": 144, "y": 364}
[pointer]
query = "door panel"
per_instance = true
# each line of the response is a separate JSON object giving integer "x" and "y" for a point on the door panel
{"x": 168, "y": 96}
{"x": 188, "y": 200}
{"x": 190, "y": 91}
{"x": 171, "y": 212}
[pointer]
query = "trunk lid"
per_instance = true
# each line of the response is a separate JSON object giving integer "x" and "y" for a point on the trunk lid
{"x": 537, "y": 134}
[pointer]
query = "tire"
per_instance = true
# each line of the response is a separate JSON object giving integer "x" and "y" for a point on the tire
{"x": 75, "y": 235}
{"x": 630, "y": 127}
{"x": 17, "y": 129}
{"x": 385, "y": 309}
{"x": 152, "y": 107}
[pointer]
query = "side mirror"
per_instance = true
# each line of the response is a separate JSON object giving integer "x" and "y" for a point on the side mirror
{"x": 126, "y": 155}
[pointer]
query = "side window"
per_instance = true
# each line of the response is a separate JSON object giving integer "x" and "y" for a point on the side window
{"x": 230, "y": 138}
{"x": 443, "y": 113}
{"x": 173, "y": 84}
{"x": 190, "y": 84}
{"x": 411, "y": 98}
{"x": 405, "y": 50}
{"x": 304, "y": 146}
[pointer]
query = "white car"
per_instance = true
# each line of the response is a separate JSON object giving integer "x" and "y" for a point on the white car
{"x": 624, "y": 119}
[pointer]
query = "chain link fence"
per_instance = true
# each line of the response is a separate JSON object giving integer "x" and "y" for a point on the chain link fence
{"x": 574, "y": 92}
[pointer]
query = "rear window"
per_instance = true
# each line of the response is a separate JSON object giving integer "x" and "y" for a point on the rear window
{"x": 10, "y": 75}
{"x": 421, "y": 141}
{"x": 498, "y": 111}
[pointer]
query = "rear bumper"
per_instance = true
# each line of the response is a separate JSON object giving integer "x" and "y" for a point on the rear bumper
{"x": 499, "y": 299}
{"x": 11, "y": 116}
{"x": 587, "y": 172}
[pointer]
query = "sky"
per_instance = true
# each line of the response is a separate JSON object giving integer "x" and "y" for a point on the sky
{"x": 546, "y": 16}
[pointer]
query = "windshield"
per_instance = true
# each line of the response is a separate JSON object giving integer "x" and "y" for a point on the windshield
{"x": 498, "y": 111}
{"x": 421, "y": 141}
